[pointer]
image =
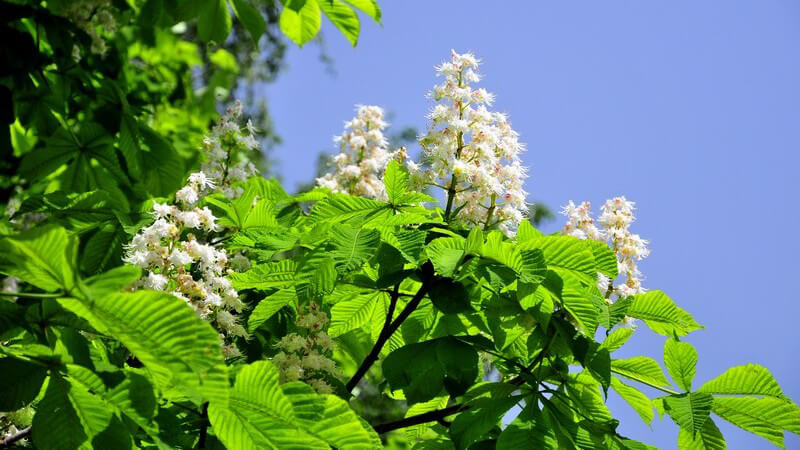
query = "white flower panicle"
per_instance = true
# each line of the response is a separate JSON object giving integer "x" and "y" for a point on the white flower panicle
{"x": 472, "y": 152}
{"x": 580, "y": 223}
{"x": 363, "y": 156}
{"x": 175, "y": 251}
{"x": 615, "y": 218}
{"x": 225, "y": 166}
{"x": 91, "y": 15}
{"x": 307, "y": 356}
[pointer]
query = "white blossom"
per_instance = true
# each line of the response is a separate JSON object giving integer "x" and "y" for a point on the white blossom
{"x": 471, "y": 152}
{"x": 362, "y": 156}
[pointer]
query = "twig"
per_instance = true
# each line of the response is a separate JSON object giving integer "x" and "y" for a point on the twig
{"x": 201, "y": 441}
{"x": 21, "y": 434}
{"x": 430, "y": 416}
{"x": 390, "y": 327}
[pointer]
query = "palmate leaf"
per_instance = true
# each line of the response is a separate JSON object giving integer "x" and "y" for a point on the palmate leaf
{"x": 20, "y": 383}
{"x": 342, "y": 208}
{"x": 214, "y": 22}
{"x": 766, "y": 417}
{"x": 416, "y": 431}
{"x": 640, "y": 368}
{"x": 265, "y": 276}
{"x": 565, "y": 252}
{"x": 750, "y": 379}
{"x": 351, "y": 247}
{"x": 661, "y": 314}
{"x": 368, "y": 7}
{"x": 617, "y": 339}
{"x": 43, "y": 256}
{"x": 690, "y": 411}
{"x": 179, "y": 350}
{"x": 300, "y": 20}
{"x": 681, "y": 361}
{"x": 344, "y": 18}
{"x": 250, "y": 17}
{"x": 482, "y": 416}
{"x": 395, "y": 180}
{"x": 708, "y": 438}
{"x": 70, "y": 417}
{"x": 637, "y": 400}
{"x": 354, "y": 312}
{"x": 750, "y": 398}
{"x": 262, "y": 415}
{"x": 270, "y": 305}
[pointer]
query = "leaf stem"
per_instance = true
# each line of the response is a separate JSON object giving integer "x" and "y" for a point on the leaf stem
{"x": 32, "y": 294}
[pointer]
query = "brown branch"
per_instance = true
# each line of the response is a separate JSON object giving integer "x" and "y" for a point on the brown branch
{"x": 21, "y": 434}
{"x": 430, "y": 416}
{"x": 389, "y": 327}
{"x": 201, "y": 441}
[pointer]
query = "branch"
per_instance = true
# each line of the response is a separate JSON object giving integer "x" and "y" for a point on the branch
{"x": 430, "y": 416}
{"x": 21, "y": 434}
{"x": 390, "y": 327}
{"x": 201, "y": 441}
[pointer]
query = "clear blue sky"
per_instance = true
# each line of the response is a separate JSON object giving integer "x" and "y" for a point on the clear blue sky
{"x": 689, "y": 108}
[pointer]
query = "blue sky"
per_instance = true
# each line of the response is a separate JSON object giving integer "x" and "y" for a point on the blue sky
{"x": 691, "y": 109}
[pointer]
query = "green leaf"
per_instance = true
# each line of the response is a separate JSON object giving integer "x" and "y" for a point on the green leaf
{"x": 708, "y": 438}
{"x": 368, "y": 7}
{"x": 339, "y": 208}
{"x": 766, "y": 417}
{"x": 115, "y": 280}
{"x": 303, "y": 24}
{"x": 355, "y": 312}
{"x": 264, "y": 276}
{"x": 270, "y": 305}
{"x": 483, "y": 415}
{"x": 415, "y": 432}
{"x": 565, "y": 252}
{"x": 43, "y": 256}
{"x": 661, "y": 314}
{"x": 345, "y": 19}
{"x": 262, "y": 415}
{"x": 395, "y": 178}
{"x": 445, "y": 254}
{"x": 250, "y": 18}
{"x": 422, "y": 370}
{"x": 179, "y": 350}
{"x": 68, "y": 417}
{"x": 20, "y": 382}
{"x": 450, "y": 297}
{"x": 750, "y": 379}
{"x": 617, "y": 339}
{"x": 690, "y": 411}
{"x": 352, "y": 247}
{"x": 640, "y": 368}
{"x": 527, "y": 432}
{"x": 214, "y": 22}
{"x": 638, "y": 401}
{"x": 681, "y": 361}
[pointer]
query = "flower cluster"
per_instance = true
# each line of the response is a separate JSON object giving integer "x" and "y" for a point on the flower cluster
{"x": 89, "y": 15}
{"x": 472, "y": 152}
{"x": 615, "y": 219}
{"x": 580, "y": 223}
{"x": 306, "y": 356}
{"x": 362, "y": 156}
{"x": 225, "y": 166}
{"x": 175, "y": 251}
{"x": 177, "y": 262}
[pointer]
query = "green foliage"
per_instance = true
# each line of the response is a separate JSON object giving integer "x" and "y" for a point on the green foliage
{"x": 433, "y": 328}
